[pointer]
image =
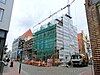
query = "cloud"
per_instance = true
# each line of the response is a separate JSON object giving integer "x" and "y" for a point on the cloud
{"x": 79, "y": 15}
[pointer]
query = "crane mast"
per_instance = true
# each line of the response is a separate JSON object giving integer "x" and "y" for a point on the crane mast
{"x": 68, "y": 5}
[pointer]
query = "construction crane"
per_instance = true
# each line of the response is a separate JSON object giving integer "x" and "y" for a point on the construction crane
{"x": 68, "y": 5}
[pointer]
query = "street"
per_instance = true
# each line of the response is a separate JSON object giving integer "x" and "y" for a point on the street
{"x": 34, "y": 70}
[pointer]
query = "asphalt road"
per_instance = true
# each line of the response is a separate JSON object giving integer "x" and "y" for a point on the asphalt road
{"x": 34, "y": 70}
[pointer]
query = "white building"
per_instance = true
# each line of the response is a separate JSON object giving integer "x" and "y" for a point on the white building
{"x": 66, "y": 37}
{"x": 15, "y": 48}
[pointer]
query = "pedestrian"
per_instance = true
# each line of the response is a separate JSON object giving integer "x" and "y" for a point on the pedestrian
{"x": 11, "y": 63}
{"x": 7, "y": 61}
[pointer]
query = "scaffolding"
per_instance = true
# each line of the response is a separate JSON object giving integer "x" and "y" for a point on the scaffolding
{"x": 59, "y": 36}
{"x": 44, "y": 42}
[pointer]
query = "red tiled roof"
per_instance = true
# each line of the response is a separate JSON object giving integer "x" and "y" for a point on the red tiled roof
{"x": 26, "y": 34}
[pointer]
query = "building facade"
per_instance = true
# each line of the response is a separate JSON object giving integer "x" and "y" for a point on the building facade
{"x": 82, "y": 43}
{"x": 44, "y": 42}
{"x": 28, "y": 48}
{"x": 93, "y": 18}
{"x": 5, "y": 16}
{"x": 58, "y": 39}
{"x": 66, "y": 35}
{"x": 26, "y": 36}
{"x": 15, "y": 45}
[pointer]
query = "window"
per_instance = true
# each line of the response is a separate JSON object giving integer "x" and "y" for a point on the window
{"x": 99, "y": 11}
{"x": 94, "y": 1}
{"x": 2, "y": 34}
{"x": 98, "y": 5}
{"x": 1, "y": 13}
{"x": 3, "y": 1}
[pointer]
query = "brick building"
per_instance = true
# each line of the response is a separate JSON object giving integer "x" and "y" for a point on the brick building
{"x": 93, "y": 18}
{"x": 82, "y": 43}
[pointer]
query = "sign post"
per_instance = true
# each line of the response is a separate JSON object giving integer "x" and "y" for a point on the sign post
{"x": 20, "y": 61}
{"x": 21, "y": 43}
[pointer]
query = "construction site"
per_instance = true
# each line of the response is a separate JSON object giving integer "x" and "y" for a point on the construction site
{"x": 58, "y": 40}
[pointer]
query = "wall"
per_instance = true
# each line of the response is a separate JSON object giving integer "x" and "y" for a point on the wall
{"x": 94, "y": 32}
{"x": 4, "y": 24}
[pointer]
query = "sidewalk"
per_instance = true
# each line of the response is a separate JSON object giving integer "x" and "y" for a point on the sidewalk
{"x": 11, "y": 71}
{"x": 88, "y": 72}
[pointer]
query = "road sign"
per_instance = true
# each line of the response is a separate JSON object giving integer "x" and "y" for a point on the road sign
{"x": 19, "y": 52}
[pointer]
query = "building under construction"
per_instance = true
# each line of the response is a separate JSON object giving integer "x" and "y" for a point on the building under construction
{"x": 58, "y": 39}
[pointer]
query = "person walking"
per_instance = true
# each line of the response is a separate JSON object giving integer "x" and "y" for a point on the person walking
{"x": 11, "y": 63}
{"x": 7, "y": 61}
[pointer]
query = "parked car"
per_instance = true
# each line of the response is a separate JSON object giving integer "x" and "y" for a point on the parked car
{"x": 79, "y": 60}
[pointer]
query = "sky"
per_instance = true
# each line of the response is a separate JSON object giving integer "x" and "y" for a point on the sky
{"x": 27, "y": 13}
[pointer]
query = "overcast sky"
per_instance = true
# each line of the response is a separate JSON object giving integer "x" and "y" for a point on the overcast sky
{"x": 27, "y": 13}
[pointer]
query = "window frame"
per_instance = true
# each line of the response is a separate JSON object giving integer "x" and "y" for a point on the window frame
{"x": 3, "y": 1}
{"x": 1, "y": 14}
{"x": 98, "y": 8}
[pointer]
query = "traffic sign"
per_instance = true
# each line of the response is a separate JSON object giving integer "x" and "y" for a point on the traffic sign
{"x": 19, "y": 52}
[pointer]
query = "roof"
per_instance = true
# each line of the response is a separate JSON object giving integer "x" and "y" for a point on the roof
{"x": 26, "y": 34}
